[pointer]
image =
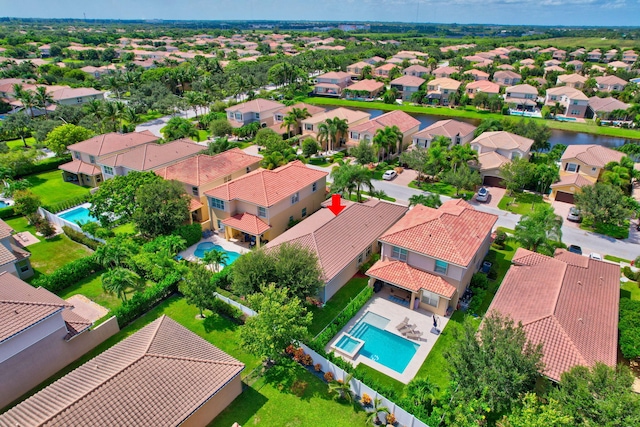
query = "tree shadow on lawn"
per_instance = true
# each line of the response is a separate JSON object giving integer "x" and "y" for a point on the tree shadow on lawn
{"x": 245, "y": 406}
{"x": 215, "y": 322}
{"x": 35, "y": 180}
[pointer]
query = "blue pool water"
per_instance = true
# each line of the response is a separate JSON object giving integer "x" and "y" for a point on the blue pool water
{"x": 78, "y": 215}
{"x": 381, "y": 346}
{"x": 347, "y": 344}
{"x": 3, "y": 204}
{"x": 205, "y": 247}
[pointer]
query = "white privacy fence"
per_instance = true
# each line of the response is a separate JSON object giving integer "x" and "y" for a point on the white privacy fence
{"x": 61, "y": 222}
{"x": 358, "y": 388}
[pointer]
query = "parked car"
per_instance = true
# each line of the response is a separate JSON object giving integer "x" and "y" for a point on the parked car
{"x": 594, "y": 255}
{"x": 575, "y": 249}
{"x": 389, "y": 175}
{"x": 483, "y": 195}
{"x": 574, "y": 215}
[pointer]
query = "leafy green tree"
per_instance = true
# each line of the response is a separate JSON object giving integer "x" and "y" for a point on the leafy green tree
{"x": 280, "y": 321}
{"x": 462, "y": 155}
{"x": 462, "y": 178}
{"x": 348, "y": 177}
{"x": 116, "y": 252}
{"x": 416, "y": 159}
{"x": 430, "y": 200}
{"x": 437, "y": 156}
{"x": 274, "y": 159}
{"x": 216, "y": 258}
{"x": 363, "y": 152}
{"x": 178, "y": 127}
{"x": 198, "y": 287}
{"x": 118, "y": 280}
{"x": 517, "y": 174}
{"x": 219, "y": 145}
{"x": 115, "y": 199}
{"x": 600, "y": 396}
{"x": 494, "y": 366}
{"x": 544, "y": 175}
{"x": 332, "y": 131}
{"x": 373, "y": 416}
{"x": 534, "y": 413}
{"x": 602, "y": 204}
{"x": 18, "y": 125}
{"x": 536, "y": 229}
{"x": 310, "y": 147}
{"x": 220, "y": 128}
{"x": 387, "y": 139}
{"x": 421, "y": 394}
{"x": 41, "y": 128}
{"x": 26, "y": 203}
{"x": 62, "y": 136}
{"x": 161, "y": 207}
{"x": 266, "y": 137}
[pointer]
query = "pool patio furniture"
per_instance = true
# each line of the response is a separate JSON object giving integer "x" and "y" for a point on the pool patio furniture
{"x": 414, "y": 335}
{"x": 403, "y": 324}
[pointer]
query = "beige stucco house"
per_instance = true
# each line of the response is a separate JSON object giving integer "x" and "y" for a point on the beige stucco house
{"x": 457, "y": 132}
{"x": 496, "y": 149}
{"x": 407, "y": 124}
{"x": 259, "y": 110}
{"x": 310, "y": 125}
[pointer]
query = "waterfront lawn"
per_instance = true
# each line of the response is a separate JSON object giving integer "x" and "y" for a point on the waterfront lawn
{"x": 520, "y": 203}
{"x": 441, "y": 188}
{"x": 52, "y": 189}
{"x": 337, "y": 303}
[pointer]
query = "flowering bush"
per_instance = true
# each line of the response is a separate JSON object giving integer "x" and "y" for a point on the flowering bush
{"x": 290, "y": 349}
{"x": 328, "y": 377}
{"x": 306, "y": 360}
{"x": 391, "y": 419}
{"x": 365, "y": 400}
{"x": 298, "y": 354}
{"x": 317, "y": 367}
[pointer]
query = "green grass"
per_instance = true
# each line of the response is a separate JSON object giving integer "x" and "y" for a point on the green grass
{"x": 16, "y": 144}
{"x": 520, "y": 203}
{"x": 615, "y": 231}
{"x": 441, "y": 188}
{"x": 337, "y": 303}
{"x": 245, "y": 144}
{"x": 616, "y": 259}
{"x": 151, "y": 115}
{"x": 385, "y": 197}
{"x": 472, "y": 113}
{"x": 506, "y": 230}
{"x": 317, "y": 161}
{"x": 203, "y": 134}
{"x": 501, "y": 259}
{"x": 366, "y": 371}
{"x": 586, "y": 42}
{"x": 630, "y": 290}
{"x": 52, "y": 189}
{"x": 128, "y": 228}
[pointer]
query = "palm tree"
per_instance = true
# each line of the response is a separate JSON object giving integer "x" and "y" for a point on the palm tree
{"x": 422, "y": 392}
{"x": 324, "y": 134}
{"x": 300, "y": 114}
{"x": 94, "y": 108}
{"x": 216, "y": 258}
{"x": 378, "y": 194}
{"x": 386, "y": 139}
{"x": 342, "y": 388}
{"x": 431, "y": 200}
{"x": 28, "y": 101}
{"x": 536, "y": 229}
{"x": 290, "y": 121}
{"x": 112, "y": 112}
{"x": 361, "y": 177}
{"x": 372, "y": 417}
{"x": 462, "y": 154}
{"x": 42, "y": 98}
{"x": 118, "y": 280}
{"x": 111, "y": 255}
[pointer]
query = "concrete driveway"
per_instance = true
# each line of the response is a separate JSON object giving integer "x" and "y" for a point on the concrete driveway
{"x": 562, "y": 209}
{"x": 495, "y": 195}
{"x": 405, "y": 177}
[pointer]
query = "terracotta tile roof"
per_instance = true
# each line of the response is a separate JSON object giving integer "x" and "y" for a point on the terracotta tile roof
{"x": 409, "y": 81}
{"x": 506, "y": 74}
{"x": 203, "y": 169}
{"x": 568, "y": 303}
{"x": 416, "y": 69}
{"x": 366, "y": 84}
{"x": 247, "y": 223}
{"x": 312, "y": 109}
{"x": 78, "y": 166}
{"x": 62, "y": 93}
{"x": 610, "y": 80}
{"x": 386, "y": 67}
{"x": 592, "y": 155}
{"x": 575, "y": 179}
{"x": 607, "y": 105}
{"x": 444, "y": 83}
{"x": 523, "y": 88}
{"x": 502, "y": 140}
{"x": 5, "y": 230}
{"x": 334, "y": 75}
{"x": 158, "y": 376}
{"x": 452, "y": 233}
{"x": 338, "y": 240}
{"x": 22, "y": 305}
{"x": 350, "y": 116}
{"x": 267, "y": 187}
{"x": 402, "y": 274}
{"x": 478, "y": 73}
{"x": 571, "y": 78}
{"x": 194, "y": 204}
{"x": 402, "y": 120}
{"x": 484, "y": 86}
{"x": 491, "y": 160}
{"x": 12, "y": 253}
{"x": 75, "y": 323}
{"x": 256, "y": 106}
{"x": 449, "y": 128}
{"x": 113, "y": 142}
{"x": 444, "y": 70}
{"x": 360, "y": 64}
{"x": 569, "y": 92}
{"x": 151, "y": 156}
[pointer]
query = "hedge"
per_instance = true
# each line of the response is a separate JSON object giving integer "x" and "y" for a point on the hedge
{"x": 81, "y": 238}
{"x": 323, "y": 338}
{"x": 227, "y": 310}
{"x": 141, "y": 302}
{"x": 67, "y": 204}
{"x": 192, "y": 233}
{"x": 629, "y": 327}
{"x": 69, "y": 274}
{"x": 44, "y": 165}
{"x": 7, "y": 212}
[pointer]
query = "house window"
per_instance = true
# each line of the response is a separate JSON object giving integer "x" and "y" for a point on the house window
{"x": 238, "y": 116}
{"x": 314, "y": 187}
{"x": 257, "y": 116}
{"x": 227, "y": 178}
{"x": 76, "y": 155}
{"x": 248, "y": 169}
{"x": 194, "y": 191}
{"x": 354, "y": 135}
{"x": 262, "y": 212}
{"x": 441, "y": 267}
{"x": 308, "y": 126}
{"x": 79, "y": 100}
{"x": 594, "y": 169}
{"x": 360, "y": 259}
{"x": 92, "y": 159}
{"x": 514, "y": 156}
{"x": 217, "y": 204}
{"x": 295, "y": 198}
{"x": 368, "y": 251}
{"x": 304, "y": 212}
{"x": 430, "y": 298}
{"x": 108, "y": 170}
{"x": 399, "y": 253}
{"x": 572, "y": 167}
{"x": 279, "y": 117}
{"x": 23, "y": 266}
{"x": 291, "y": 219}
{"x": 575, "y": 112}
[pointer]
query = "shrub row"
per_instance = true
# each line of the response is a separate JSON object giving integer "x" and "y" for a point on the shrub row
{"x": 68, "y": 274}
{"x": 81, "y": 238}
{"x": 141, "y": 302}
{"x": 192, "y": 233}
{"x": 67, "y": 204}
{"x": 323, "y": 338}
{"x": 367, "y": 265}
{"x": 630, "y": 274}
{"x": 227, "y": 310}
{"x": 629, "y": 327}
{"x": 44, "y": 165}
{"x": 7, "y": 212}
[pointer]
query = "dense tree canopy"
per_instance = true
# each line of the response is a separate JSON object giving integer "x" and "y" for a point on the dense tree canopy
{"x": 161, "y": 207}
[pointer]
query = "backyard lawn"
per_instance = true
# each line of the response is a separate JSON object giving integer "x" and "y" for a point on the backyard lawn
{"x": 17, "y": 144}
{"x": 630, "y": 290}
{"x": 520, "y": 203}
{"x": 322, "y": 316}
{"x": 128, "y": 228}
{"x": 441, "y": 188}
{"x": 52, "y": 189}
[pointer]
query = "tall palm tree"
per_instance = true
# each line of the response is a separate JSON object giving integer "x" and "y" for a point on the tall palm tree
{"x": 42, "y": 98}
{"x": 461, "y": 154}
{"x": 216, "y": 258}
{"x": 361, "y": 177}
{"x": 290, "y": 121}
{"x": 386, "y": 139}
{"x": 28, "y": 101}
{"x": 339, "y": 128}
{"x": 118, "y": 280}
{"x": 324, "y": 134}
{"x": 112, "y": 111}
{"x": 300, "y": 114}
{"x": 94, "y": 108}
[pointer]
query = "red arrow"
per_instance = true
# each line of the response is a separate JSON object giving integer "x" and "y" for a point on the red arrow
{"x": 335, "y": 206}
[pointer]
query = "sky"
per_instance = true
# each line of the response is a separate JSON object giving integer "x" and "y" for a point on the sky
{"x": 533, "y": 12}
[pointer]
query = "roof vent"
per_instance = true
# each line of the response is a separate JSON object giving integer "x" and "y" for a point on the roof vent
{"x": 16, "y": 311}
{"x": 580, "y": 320}
{"x": 579, "y": 283}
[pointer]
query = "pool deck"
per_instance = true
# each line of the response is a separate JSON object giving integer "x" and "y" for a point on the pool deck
{"x": 396, "y": 313}
{"x": 188, "y": 253}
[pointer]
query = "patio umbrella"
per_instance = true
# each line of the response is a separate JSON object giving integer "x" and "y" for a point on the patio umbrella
{"x": 435, "y": 321}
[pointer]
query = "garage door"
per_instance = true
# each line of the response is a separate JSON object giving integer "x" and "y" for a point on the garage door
{"x": 493, "y": 181}
{"x": 561, "y": 196}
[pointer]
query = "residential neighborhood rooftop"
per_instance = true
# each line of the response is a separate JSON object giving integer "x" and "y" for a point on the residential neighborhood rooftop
{"x": 150, "y": 156}
{"x": 592, "y": 155}
{"x": 113, "y": 142}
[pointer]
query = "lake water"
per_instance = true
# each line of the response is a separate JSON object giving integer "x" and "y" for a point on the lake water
{"x": 557, "y": 136}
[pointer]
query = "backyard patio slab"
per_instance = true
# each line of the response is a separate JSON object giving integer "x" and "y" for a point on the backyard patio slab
{"x": 84, "y": 307}
{"x": 25, "y": 238}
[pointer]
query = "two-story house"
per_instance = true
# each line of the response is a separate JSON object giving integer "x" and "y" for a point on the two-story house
{"x": 571, "y": 80}
{"x": 45, "y": 50}
{"x": 478, "y": 75}
{"x": 355, "y": 70}
{"x": 407, "y": 124}
{"x": 432, "y": 254}
{"x": 416, "y": 71}
{"x": 559, "y": 55}
{"x": 629, "y": 57}
{"x": 147, "y": 157}
{"x": 484, "y": 86}
{"x": 360, "y": 224}
{"x": 13, "y": 258}
{"x": 577, "y": 53}
{"x": 279, "y": 117}
{"x": 84, "y": 169}
{"x": 610, "y": 83}
{"x": 407, "y": 86}
{"x": 574, "y": 102}
{"x": 384, "y": 70}
{"x": 506, "y": 78}
{"x": 459, "y": 133}
{"x": 610, "y": 55}
{"x": 524, "y": 97}
{"x": 602, "y": 107}
{"x": 202, "y": 173}
{"x": 439, "y": 90}
{"x": 332, "y": 83}
{"x": 582, "y": 165}
{"x": 260, "y": 205}
{"x": 594, "y": 56}
{"x": 496, "y": 149}
{"x": 258, "y": 110}
{"x": 444, "y": 72}
{"x": 311, "y": 125}
{"x": 364, "y": 90}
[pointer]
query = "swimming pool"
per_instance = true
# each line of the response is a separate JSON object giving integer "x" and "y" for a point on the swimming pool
{"x": 382, "y": 346}
{"x": 3, "y": 204}
{"x": 205, "y": 247}
{"x": 79, "y": 215}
